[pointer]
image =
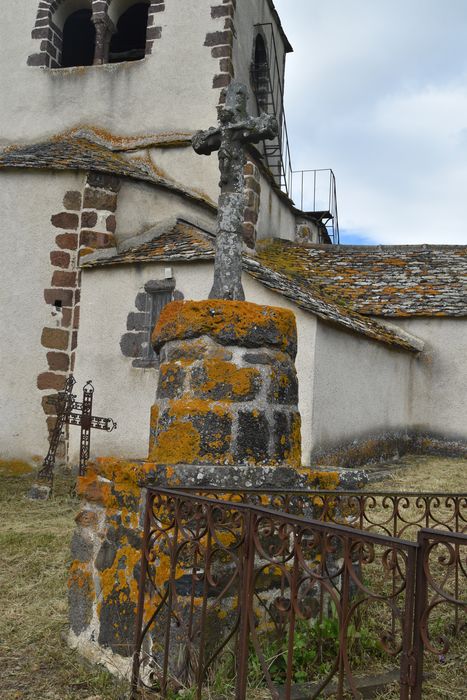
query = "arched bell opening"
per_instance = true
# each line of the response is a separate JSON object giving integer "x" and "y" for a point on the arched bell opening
{"x": 260, "y": 73}
{"x": 129, "y": 41}
{"x": 79, "y": 39}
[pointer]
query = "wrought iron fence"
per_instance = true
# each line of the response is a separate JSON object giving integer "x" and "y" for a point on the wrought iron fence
{"x": 265, "y": 590}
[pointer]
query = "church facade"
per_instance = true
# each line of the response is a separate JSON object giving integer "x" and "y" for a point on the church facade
{"x": 108, "y": 214}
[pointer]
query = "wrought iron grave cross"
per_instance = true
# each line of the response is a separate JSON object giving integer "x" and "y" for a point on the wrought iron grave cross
{"x": 72, "y": 412}
{"x": 236, "y": 129}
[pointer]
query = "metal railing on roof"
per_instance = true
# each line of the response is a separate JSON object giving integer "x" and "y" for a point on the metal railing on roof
{"x": 315, "y": 192}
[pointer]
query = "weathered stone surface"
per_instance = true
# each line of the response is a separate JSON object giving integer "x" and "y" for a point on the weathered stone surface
{"x": 50, "y": 380}
{"x": 81, "y": 547}
{"x": 99, "y": 199}
{"x": 236, "y": 129}
{"x": 104, "y": 181}
{"x": 65, "y": 220}
{"x": 60, "y": 259}
{"x": 252, "y": 437}
{"x": 72, "y": 200}
{"x": 133, "y": 344}
{"x": 229, "y": 323}
{"x": 80, "y": 598}
{"x": 39, "y": 492}
{"x": 193, "y": 431}
{"x": 55, "y": 338}
{"x": 137, "y": 321}
{"x": 88, "y": 219}
{"x": 117, "y": 622}
{"x": 258, "y": 358}
{"x": 194, "y": 350}
{"x": 67, "y": 241}
{"x": 284, "y": 384}
{"x": 171, "y": 380}
{"x": 219, "y": 380}
{"x": 106, "y": 555}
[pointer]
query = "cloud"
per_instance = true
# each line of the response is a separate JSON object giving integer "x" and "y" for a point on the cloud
{"x": 377, "y": 90}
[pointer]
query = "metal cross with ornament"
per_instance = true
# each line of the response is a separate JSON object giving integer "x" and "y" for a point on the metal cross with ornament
{"x": 236, "y": 129}
{"x": 72, "y": 412}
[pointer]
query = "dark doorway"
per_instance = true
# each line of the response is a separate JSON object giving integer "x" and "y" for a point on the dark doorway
{"x": 79, "y": 40}
{"x": 129, "y": 43}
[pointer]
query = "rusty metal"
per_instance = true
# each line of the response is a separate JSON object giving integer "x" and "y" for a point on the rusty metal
{"x": 223, "y": 575}
{"x": 63, "y": 401}
{"x": 72, "y": 412}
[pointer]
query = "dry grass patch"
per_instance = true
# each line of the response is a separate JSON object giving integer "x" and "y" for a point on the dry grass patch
{"x": 34, "y": 556}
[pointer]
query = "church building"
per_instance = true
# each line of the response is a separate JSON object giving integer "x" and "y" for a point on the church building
{"x": 108, "y": 214}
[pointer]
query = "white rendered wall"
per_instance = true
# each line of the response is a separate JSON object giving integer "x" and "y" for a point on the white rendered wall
{"x": 361, "y": 388}
{"x": 126, "y": 393}
{"x": 27, "y": 200}
{"x": 439, "y": 395}
{"x": 141, "y": 205}
{"x": 170, "y": 90}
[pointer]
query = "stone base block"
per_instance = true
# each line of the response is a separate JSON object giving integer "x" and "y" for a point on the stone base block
{"x": 104, "y": 574}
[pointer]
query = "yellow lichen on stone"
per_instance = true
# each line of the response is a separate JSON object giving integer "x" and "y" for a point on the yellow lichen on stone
{"x": 240, "y": 379}
{"x": 219, "y": 319}
{"x": 179, "y": 444}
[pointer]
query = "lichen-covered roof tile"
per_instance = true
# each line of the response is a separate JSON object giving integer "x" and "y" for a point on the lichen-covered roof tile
{"x": 391, "y": 281}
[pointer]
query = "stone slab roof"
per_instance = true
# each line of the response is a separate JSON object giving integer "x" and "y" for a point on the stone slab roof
{"x": 88, "y": 149}
{"x": 185, "y": 242}
{"x": 387, "y": 281}
{"x": 179, "y": 241}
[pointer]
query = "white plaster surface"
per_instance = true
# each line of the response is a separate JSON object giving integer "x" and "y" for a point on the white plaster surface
{"x": 27, "y": 200}
{"x": 439, "y": 382}
{"x": 360, "y": 388}
{"x": 141, "y": 205}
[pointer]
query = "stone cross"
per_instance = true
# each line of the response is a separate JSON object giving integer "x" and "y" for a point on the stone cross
{"x": 236, "y": 129}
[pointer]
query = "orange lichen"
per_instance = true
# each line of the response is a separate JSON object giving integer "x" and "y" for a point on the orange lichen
{"x": 119, "y": 578}
{"x": 327, "y": 481}
{"x": 181, "y": 320}
{"x": 240, "y": 379}
{"x": 80, "y": 575}
{"x": 180, "y": 443}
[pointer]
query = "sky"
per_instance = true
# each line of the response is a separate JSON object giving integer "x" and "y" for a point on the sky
{"x": 377, "y": 91}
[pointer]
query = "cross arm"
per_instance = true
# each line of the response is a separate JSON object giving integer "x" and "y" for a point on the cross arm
{"x": 205, "y": 142}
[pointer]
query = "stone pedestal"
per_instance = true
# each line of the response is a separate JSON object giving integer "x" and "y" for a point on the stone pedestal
{"x": 228, "y": 390}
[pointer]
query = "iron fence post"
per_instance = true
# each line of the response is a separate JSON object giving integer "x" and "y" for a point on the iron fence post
{"x": 421, "y": 596}
{"x": 245, "y": 600}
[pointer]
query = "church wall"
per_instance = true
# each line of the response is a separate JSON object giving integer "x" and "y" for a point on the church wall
{"x": 27, "y": 201}
{"x": 170, "y": 90}
{"x": 362, "y": 389}
{"x": 141, "y": 206}
{"x": 126, "y": 393}
{"x": 439, "y": 396}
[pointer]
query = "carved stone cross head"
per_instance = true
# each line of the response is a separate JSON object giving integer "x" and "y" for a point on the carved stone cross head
{"x": 236, "y": 129}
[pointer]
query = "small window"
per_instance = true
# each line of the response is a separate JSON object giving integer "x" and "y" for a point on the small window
{"x": 136, "y": 343}
{"x": 79, "y": 40}
{"x": 157, "y": 299}
{"x": 260, "y": 74}
{"x": 129, "y": 42}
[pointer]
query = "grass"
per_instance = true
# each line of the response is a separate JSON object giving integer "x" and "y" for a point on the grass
{"x": 34, "y": 553}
